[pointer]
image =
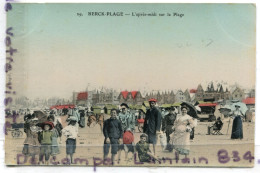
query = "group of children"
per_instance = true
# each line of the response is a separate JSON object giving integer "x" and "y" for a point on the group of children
{"x": 42, "y": 138}
{"x": 119, "y": 135}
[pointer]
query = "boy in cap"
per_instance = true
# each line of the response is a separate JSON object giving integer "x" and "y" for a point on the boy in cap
{"x": 71, "y": 133}
{"x": 167, "y": 125}
{"x": 45, "y": 138}
{"x": 113, "y": 133}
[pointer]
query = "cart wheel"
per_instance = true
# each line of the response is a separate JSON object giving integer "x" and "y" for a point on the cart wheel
{"x": 20, "y": 133}
{"x": 15, "y": 134}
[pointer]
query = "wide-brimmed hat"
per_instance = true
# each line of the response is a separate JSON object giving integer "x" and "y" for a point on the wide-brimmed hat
{"x": 152, "y": 100}
{"x": 185, "y": 107}
{"x": 35, "y": 119}
{"x": 48, "y": 123}
{"x": 72, "y": 118}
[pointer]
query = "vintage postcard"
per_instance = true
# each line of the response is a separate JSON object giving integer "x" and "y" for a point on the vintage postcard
{"x": 150, "y": 85}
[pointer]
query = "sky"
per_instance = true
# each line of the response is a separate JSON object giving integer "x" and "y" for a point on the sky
{"x": 60, "y": 52}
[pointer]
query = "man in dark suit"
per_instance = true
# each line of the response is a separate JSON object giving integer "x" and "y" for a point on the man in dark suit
{"x": 167, "y": 124}
{"x": 152, "y": 123}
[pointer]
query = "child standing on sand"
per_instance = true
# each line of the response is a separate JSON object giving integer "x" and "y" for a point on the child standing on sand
{"x": 55, "y": 137}
{"x": 45, "y": 138}
{"x": 113, "y": 133}
{"x": 31, "y": 143}
{"x": 71, "y": 133}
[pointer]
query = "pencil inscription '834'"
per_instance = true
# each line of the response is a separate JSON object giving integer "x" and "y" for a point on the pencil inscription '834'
{"x": 223, "y": 156}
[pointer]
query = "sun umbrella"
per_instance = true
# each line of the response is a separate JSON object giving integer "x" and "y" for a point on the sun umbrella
{"x": 192, "y": 110}
{"x": 42, "y": 117}
{"x": 243, "y": 107}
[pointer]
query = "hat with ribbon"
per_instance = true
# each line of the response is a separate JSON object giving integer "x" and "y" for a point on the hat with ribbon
{"x": 47, "y": 123}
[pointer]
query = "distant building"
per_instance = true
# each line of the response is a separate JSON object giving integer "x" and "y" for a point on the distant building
{"x": 193, "y": 95}
{"x": 105, "y": 96}
{"x": 250, "y": 102}
{"x": 187, "y": 95}
{"x": 131, "y": 97}
{"x": 179, "y": 96}
{"x": 95, "y": 97}
{"x": 162, "y": 97}
{"x": 252, "y": 93}
{"x": 238, "y": 94}
{"x": 80, "y": 98}
{"x": 199, "y": 96}
{"x": 212, "y": 94}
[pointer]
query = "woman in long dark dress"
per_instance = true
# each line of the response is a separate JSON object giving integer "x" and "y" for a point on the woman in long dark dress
{"x": 82, "y": 119}
{"x": 237, "y": 127}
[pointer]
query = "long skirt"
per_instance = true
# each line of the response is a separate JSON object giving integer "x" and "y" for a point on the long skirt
{"x": 70, "y": 146}
{"x": 30, "y": 150}
{"x": 237, "y": 128}
{"x": 181, "y": 142}
{"x": 192, "y": 133}
{"x": 54, "y": 147}
{"x": 82, "y": 122}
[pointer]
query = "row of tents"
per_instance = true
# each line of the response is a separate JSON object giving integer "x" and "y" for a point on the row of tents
{"x": 224, "y": 108}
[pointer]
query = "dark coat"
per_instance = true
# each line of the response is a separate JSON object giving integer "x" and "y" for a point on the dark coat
{"x": 112, "y": 129}
{"x": 168, "y": 122}
{"x": 152, "y": 122}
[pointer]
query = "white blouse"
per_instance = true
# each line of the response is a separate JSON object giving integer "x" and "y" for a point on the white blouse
{"x": 237, "y": 113}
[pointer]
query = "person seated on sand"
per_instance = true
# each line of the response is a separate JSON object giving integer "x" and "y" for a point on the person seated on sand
{"x": 143, "y": 150}
{"x": 217, "y": 125}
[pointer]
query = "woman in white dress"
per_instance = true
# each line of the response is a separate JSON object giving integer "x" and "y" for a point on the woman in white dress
{"x": 182, "y": 127}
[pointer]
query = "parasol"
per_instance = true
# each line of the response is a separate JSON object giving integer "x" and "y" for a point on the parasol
{"x": 192, "y": 110}
{"x": 243, "y": 107}
{"x": 42, "y": 117}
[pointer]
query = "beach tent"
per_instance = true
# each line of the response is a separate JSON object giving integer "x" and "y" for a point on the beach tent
{"x": 96, "y": 109}
{"x": 166, "y": 105}
{"x": 176, "y": 104}
{"x": 62, "y": 106}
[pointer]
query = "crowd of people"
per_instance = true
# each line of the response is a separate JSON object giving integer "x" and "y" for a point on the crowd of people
{"x": 178, "y": 129}
{"x": 120, "y": 128}
{"x": 44, "y": 136}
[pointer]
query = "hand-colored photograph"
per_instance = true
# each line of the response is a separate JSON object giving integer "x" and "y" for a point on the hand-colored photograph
{"x": 130, "y": 85}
